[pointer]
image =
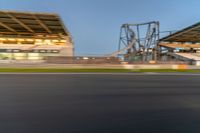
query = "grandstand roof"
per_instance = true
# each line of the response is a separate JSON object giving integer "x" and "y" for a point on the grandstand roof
{"x": 174, "y": 46}
{"x": 29, "y": 24}
{"x": 189, "y": 34}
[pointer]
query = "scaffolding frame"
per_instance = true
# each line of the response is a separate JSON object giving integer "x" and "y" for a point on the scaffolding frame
{"x": 143, "y": 39}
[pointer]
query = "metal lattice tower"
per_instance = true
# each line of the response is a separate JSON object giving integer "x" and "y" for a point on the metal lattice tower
{"x": 139, "y": 40}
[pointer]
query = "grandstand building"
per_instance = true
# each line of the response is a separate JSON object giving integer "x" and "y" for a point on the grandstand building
{"x": 183, "y": 45}
{"x": 33, "y": 36}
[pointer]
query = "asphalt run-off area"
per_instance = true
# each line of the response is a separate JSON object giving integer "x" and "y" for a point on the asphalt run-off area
{"x": 99, "y": 103}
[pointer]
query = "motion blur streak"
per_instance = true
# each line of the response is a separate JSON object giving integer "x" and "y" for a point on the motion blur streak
{"x": 99, "y": 103}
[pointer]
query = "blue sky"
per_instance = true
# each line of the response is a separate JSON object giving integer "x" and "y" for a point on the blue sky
{"x": 95, "y": 24}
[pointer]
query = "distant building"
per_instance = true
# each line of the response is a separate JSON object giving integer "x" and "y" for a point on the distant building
{"x": 33, "y": 36}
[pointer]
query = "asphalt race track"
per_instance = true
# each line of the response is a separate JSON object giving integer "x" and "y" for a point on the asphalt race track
{"x": 99, "y": 103}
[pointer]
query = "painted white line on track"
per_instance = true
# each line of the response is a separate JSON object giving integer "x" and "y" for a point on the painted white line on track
{"x": 114, "y": 74}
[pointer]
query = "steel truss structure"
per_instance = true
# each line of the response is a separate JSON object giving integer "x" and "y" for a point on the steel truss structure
{"x": 139, "y": 40}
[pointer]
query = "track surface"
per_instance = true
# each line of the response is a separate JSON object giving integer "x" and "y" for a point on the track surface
{"x": 83, "y": 103}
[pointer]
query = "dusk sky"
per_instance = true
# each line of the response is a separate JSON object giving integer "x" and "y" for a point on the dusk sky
{"x": 95, "y": 24}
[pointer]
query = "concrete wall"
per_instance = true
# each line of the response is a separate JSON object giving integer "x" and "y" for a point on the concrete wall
{"x": 83, "y": 60}
{"x": 68, "y": 51}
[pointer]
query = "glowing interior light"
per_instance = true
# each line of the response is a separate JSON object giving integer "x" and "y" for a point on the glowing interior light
{"x": 20, "y": 40}
{"x": 47, "y": 40}
{"x": 38, "y": 40}
{"x": 55, "y": 41}
{"x": 12, "y": 39}
{"x": 29, "y": 40}
{"x": 63, "y": 41}
{"x": 2, "y": 39}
